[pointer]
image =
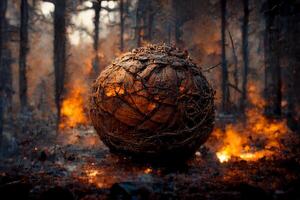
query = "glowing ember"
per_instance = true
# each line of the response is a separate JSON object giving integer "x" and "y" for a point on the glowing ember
{"x": 98, "y": 177}
{"x": 259, "y": 137}
{"x": 72, "y": 110}
{"x": 93, "y": 176}
{"x": 148, "y": 171}
{"x": 92, "y": 173}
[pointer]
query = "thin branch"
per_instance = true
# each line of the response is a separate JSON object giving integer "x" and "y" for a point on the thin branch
{"x": 81, "y": 29}
{"x": 234, "y": 87}
{"x": 212, "y": 67}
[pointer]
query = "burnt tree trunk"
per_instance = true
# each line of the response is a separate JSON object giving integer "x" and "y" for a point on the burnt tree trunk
{"x": 3, "y": 6}
{"x": 60, "y": 40}
{"x": 96, "y": 61}
{"x": 225, "y": 86}
{"x": 171, "y": 29}
{"x": 177, "y": 23}
{"x": 121, "y": 25}
{"x": 235, "y": 70}
{"x": 7, "y": 61}
{"x": 245, "y": 53}
{"x": 138, "y": 26}
{"x": 148, "y": 16}
{"x": 183, "y": 11}
{"x": 272, "y": 67}
{"x": 292, "y": 24}
{"x": 23, "y": 54}
{"x": 150, "y": 21}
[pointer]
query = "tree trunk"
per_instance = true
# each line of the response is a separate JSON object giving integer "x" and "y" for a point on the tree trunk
{"x": 96, "y": 61}
{"x": 23, "y": 53}
{"x": 60, "y": 41}
{"x": 177, "y": 23}
{"x": 138, "y": 27}
{"x": 272, "y": 67}
{"x": 7, "y": 61}
{"x": 292, "y": 24}
{"x": 245, "y": 53}
{"x": 3, "y": 6}
{"x": 150, "y": 21}
{"x": 235, "y": 70}
{"x": 121, "y": 25}
{"x": 225, "y": 87}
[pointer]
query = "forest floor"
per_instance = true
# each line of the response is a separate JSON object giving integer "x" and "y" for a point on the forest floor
{"x": 76, "y": 165}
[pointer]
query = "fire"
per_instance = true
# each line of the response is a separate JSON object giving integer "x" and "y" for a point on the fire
{"x": 72, "y": 110}
{"x": 258, "y": 137}
{"x": 92, "y": 173}
{"x": 100, "y": 177}
{"x": 92, "y": 177}
{"x": 147, "y": 170}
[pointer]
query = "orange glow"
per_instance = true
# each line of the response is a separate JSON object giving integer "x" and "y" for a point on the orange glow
{"x": 241, "y": 140}
{"x": 72, "y": 110}
{"x": 99, "y": 177}
{"x": 92, "y": 177}
{"x": 114, "y": 91}
{"x": 148, "y": 171}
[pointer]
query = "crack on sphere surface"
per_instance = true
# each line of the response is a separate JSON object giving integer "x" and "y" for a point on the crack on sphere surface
{"x": 153, "y": 101}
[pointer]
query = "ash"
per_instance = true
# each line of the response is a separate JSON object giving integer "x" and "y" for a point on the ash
{"x": 76, "y": 165}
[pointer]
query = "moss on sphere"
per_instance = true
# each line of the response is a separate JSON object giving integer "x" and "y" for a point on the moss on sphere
{"x": 153, "y": 101}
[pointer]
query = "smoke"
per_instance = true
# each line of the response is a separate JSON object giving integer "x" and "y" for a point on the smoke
{"x": 200, "y": 34}
{"x": 202, "y": 37}
{"x": 40, "y": 73}
{"x": 80, "y": 53}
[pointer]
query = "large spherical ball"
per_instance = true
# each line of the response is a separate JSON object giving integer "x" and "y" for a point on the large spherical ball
{"x": 152, "y": 101}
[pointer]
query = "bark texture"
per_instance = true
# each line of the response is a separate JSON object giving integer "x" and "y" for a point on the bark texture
{"x": 60, "y": 41}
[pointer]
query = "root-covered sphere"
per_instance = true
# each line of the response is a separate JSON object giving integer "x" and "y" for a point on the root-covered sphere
{"x": 153, "y": 101}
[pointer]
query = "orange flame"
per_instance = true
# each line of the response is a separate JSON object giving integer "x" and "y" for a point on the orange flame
{"x": 259, "y": 137}
{"x": 72, "y": 110}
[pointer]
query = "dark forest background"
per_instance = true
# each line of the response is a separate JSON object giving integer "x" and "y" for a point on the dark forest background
{"x": 51, "y": 51}
{"x": 50, "y": 47}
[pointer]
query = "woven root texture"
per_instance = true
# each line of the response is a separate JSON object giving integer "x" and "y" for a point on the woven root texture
{"x": 153, "y": 101}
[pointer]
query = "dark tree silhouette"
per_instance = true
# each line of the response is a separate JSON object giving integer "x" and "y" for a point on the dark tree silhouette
{"x": 292, "y": 51}
{"x": 150, "y": 20}
{"x": 97, "y": 9}
{"x": 121, "y": 25}
{"x": 245, "y": 54}
{"x": 138, "y": 23}
{"x": 3, "y": 6}
{"x": 225, "y": 86}
{"x": 23, "y": 53}
{"x": 60, "y": 41}
{"x": 272, "y": 66}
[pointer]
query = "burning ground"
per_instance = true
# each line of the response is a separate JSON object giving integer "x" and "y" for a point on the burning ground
{"x": 255, "y": 159}
{"x": 247, "y": 156}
